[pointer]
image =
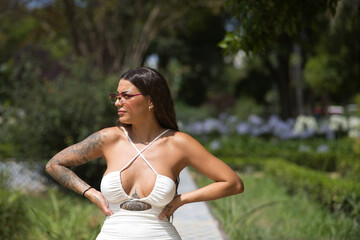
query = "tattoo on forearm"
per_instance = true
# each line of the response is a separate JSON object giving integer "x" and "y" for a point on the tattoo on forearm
{"x": 58, "y": 166}
{"x": 135, "y": 205}
{"x": 168, "y": 208}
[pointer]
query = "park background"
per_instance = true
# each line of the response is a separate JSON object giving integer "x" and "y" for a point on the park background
{"x": 270, "y": 87}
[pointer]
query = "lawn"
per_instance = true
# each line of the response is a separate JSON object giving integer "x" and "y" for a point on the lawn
{"x": 266, "y": 211}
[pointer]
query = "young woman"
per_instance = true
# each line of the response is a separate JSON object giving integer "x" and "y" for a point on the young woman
{"x": 144, "y": 155}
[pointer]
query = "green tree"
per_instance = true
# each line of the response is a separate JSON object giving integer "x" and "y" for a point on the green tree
{"x": 273, "y": 29}
{"x": 333, "y": 70}
{"x": 113, "y": 34}
{"x": 192, "y": 48}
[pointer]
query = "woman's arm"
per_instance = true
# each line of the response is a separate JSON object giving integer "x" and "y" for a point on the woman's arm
{"x": 226, "y": 181}
{"x": 59, "y": 166}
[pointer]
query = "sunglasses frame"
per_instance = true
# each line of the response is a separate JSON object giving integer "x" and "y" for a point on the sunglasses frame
{"x": 113, "y": 97}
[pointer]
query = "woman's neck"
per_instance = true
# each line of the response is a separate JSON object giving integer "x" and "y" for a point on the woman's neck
{"x": 146, "y": 132}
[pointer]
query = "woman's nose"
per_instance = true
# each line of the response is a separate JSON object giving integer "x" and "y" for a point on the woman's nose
{"x": 118, "y": 102}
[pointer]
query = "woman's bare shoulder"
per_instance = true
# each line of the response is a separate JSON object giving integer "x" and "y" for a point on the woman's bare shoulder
{"x": 183, "y": 140}
{"x": 110, "y": 134}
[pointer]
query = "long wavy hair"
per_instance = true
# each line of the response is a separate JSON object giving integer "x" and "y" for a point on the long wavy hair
{"x": 151, "y": 83}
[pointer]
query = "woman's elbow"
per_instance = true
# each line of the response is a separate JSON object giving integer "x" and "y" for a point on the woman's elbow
{"x": 238, "y": 186}
{"x": 49, "y": 167}
{"x": 241, "y": 188}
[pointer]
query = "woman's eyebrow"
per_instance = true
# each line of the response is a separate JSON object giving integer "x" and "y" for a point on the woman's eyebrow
{"x": 123, "y": 91}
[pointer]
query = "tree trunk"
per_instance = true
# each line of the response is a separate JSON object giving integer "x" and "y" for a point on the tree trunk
{"x": 283, "y": 79}
{"x": 296, "y": 70}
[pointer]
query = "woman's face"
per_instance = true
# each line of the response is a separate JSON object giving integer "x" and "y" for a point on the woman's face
{"x": 135, "y": 107}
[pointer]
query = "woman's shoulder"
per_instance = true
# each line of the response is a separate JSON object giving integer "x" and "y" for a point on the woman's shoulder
{"x": 111, "y": 134}
{"x": 182, "y": 139}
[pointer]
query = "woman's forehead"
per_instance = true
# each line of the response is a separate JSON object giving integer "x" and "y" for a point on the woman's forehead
{"x": 126, "y": 86}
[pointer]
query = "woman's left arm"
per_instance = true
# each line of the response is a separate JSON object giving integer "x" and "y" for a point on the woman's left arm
{"x": 226, "y": 181}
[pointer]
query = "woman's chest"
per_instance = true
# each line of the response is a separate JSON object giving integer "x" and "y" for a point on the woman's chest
{"x": 164, "y": 158}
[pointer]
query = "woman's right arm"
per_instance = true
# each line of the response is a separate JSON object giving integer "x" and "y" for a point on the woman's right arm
{"x": 88, "y": 149}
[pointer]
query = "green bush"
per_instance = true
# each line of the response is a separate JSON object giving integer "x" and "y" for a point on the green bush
{"x": 318, "y": 161}
{"x": 13, "y": 220}
{"x": 186, "y": 114}
{"x": 339, "y": 157}
{"x": 349, "y": 168}
{"x": 266, "y": 211}
{"x": 56, "y": 111}
{"x": 340, "y": 195}
{"x": 246, "y": 106}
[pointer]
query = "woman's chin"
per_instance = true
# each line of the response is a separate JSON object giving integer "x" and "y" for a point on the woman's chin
{"x": 124, "y": 120}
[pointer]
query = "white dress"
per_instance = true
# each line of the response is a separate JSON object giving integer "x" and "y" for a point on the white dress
{"x": 144, "y": 224}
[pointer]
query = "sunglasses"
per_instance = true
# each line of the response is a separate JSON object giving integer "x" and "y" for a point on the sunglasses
{"x": 113, "y": 97}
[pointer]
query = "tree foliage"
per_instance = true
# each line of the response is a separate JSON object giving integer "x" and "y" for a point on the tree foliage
{"x": 261, "y": 23}
{"x": 280, "y": 31}
{"x": 335, "y": 63}
{"x": 115, "y": 34}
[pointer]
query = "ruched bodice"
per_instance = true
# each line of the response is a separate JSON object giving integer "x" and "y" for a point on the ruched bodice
{"x": 144, "y": 224}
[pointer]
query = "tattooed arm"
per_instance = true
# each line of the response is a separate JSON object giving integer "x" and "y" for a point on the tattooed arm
{"x": 59, "y": 166}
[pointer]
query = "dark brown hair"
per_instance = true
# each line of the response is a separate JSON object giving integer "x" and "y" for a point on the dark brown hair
{"x": 151, "y": 83}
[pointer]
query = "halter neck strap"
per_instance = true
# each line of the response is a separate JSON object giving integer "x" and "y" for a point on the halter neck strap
{"x": 142, "y": 150}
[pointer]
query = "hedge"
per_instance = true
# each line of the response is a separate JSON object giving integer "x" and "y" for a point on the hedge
{"x": 346, "y": 166}
{"x": 340, "y": 156}
{"x": 340, "y": 195}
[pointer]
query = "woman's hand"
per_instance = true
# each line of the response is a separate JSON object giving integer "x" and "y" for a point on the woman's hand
{"x": 98, "y": 199}
{"x": 171, "y": 207}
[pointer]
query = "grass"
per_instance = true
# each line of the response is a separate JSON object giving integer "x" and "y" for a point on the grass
{"x": 64, "y": 217}
{"x": 53, "y": 215}
{"x": 266, "y": 211}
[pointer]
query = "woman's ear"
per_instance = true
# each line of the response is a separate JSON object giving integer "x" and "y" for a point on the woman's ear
{"x": 150, "y": 102}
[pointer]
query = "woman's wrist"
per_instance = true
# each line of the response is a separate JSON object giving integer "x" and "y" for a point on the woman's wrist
{"x": 88, "y": 192}
{"x": 183, "y": 199}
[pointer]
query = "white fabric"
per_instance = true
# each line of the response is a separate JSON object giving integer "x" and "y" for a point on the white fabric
{"x": 126, "y": 224}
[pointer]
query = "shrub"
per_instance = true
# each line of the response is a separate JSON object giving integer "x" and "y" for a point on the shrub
{"x": 340, "y": 195}
{"x": 318, "y": 161}
{"x": 13, "y": 221}
{"x": 349, "y": 168}
{"x": 57, "y": 111}
{"x": 338, "y": 158}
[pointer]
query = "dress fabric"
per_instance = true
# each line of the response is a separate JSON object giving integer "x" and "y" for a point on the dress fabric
{"x": 127, "y": 224}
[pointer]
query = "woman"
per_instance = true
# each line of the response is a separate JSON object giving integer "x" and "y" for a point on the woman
{"x": 144, "y": 155}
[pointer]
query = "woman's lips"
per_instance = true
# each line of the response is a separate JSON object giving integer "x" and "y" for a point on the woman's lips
{"x": 120, "y": 113}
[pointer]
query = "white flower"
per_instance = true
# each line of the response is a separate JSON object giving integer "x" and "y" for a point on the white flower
{"x": 338, "y": 122}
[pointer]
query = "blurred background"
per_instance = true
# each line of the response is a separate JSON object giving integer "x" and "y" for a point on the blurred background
{"x": 270, "y": 87}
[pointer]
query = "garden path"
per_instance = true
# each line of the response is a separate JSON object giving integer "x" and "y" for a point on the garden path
{"x": 195, "y": 221}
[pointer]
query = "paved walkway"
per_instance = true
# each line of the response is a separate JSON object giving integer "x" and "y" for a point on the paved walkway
{"x": 194, "y": 221}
